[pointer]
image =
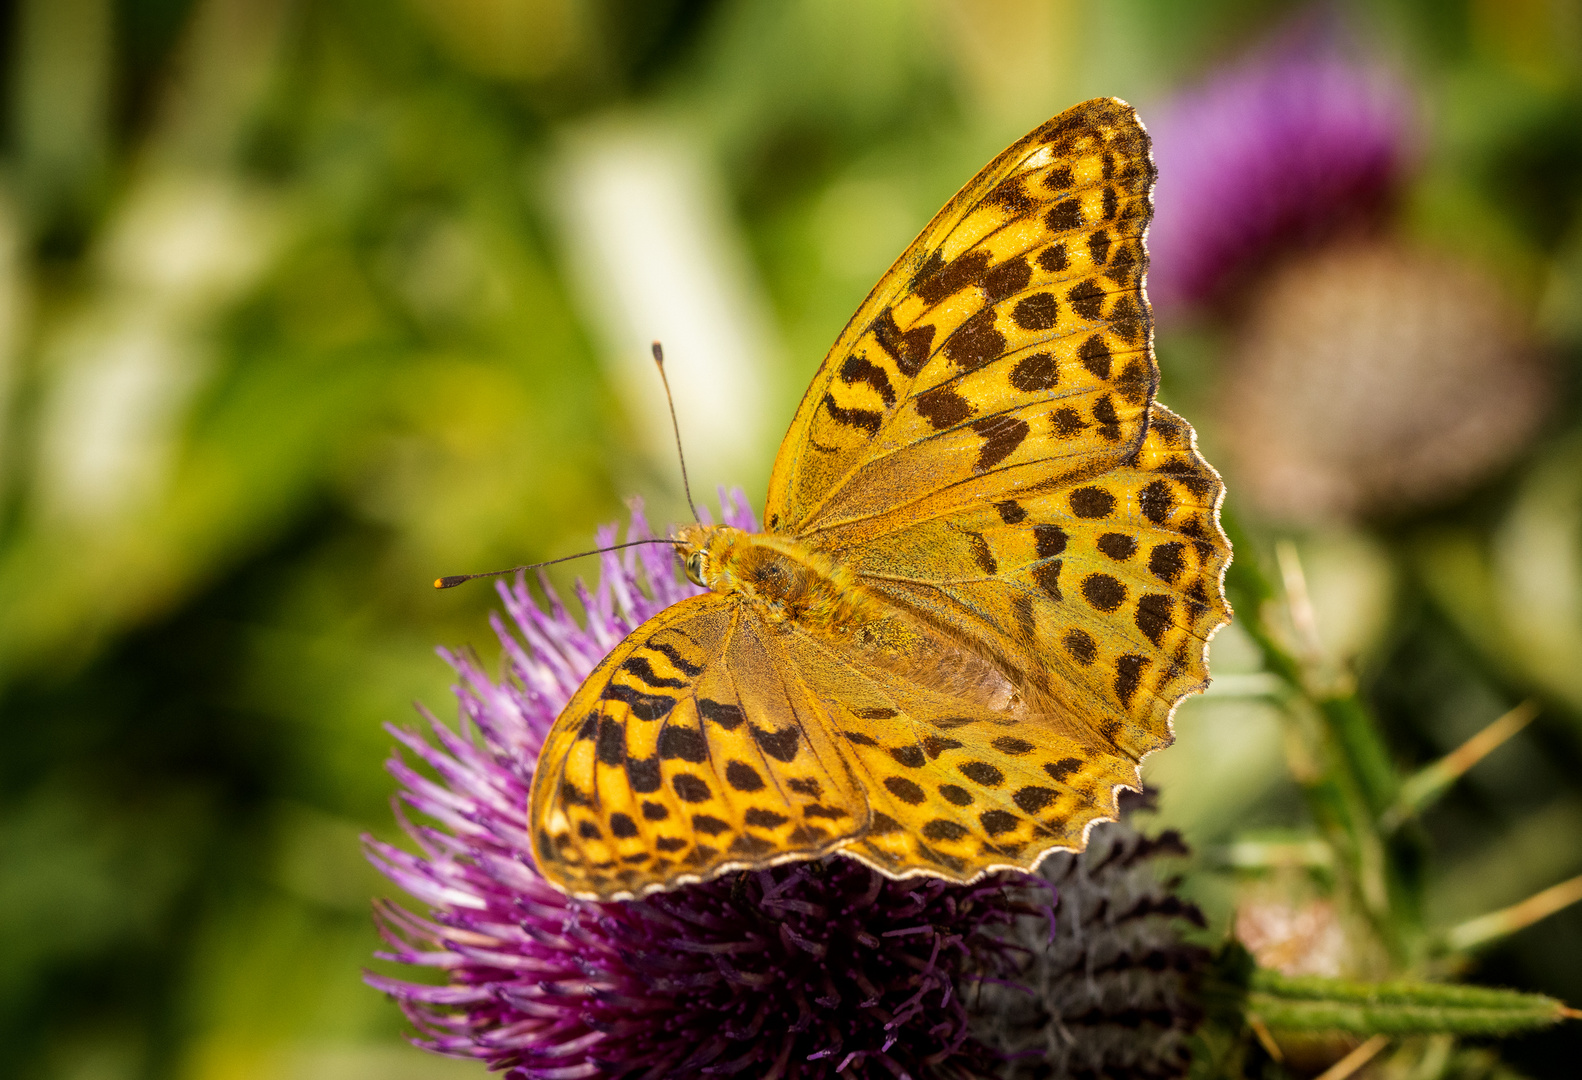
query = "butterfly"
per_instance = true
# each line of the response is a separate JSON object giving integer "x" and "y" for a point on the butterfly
{"x": 991, "y": 566}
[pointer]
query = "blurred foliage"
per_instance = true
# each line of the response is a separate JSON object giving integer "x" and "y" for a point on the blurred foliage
{"x": 287, "y": 328}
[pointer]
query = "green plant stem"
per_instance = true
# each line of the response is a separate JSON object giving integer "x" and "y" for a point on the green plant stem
{"x": 1357, "y": 784}
{"x": 1311, "y": 1003}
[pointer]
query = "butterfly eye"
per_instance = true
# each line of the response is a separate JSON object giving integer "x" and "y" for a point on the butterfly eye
{"x": 695, "y": 569}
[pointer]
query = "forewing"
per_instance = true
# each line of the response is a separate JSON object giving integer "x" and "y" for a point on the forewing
{"x": 691, "y": 750}
{"x": 1010, "y": 339}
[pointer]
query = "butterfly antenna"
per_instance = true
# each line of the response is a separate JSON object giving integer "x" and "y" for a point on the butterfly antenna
{"x": 686, "y": 486}
{"x": 457, "y": 579}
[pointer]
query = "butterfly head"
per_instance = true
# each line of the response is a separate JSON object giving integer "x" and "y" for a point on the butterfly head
{"x": 705, "y": 552}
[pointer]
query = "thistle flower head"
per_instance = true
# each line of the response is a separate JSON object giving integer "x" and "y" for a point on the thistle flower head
{"x": 807, "y": 970}
{"x": 1371, "y": 379}
{"x": 1111, "y": 989}
{"x": 1281, "y": 149}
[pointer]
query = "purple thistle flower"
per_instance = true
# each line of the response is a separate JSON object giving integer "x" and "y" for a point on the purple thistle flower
{"x": 808, "y": 970}
{"x": 1113, "y": 991}
{"x": 1292, "y": 144}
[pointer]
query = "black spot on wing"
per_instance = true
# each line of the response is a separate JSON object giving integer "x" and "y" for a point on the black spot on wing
{"x": 1157, "y": 501}
{"x": 671, "y": 653}
{"x": 1095, "y": 356}
{"x": 726, "y": 716}
{"x": 643, "y": 706}
{"x": 689, "y": 788}
{"x": 780, "y": 745}
{"x": 1135, "y": 383}
{"x": 1012, "y": 195}
{"x": 1049, "y": 540}
{"x": 981, "y": 772}
{"x": 1053, "y": 259}
{"x": 996, "y": 822}
{"x": 975, "y": 341}
{"x": 981, "y": 553}
{"x": 1067, "y": 422}
{"x": 1026, "y": 621}
{"x": 905, "y": 790}
{"x": 867, "y": 419}
{"x": 956, "y": 795}
{"x": 1118, "y": 546}
{"x": 743, "y": 777}
{"x": 857, "y": 368}
{"x": 747, "y": 844}
{"x": 1059, "y": 770}
{"x": 909, "y": 350}
{"x": 1104, "y": 592}
{"x": 1099, "y": 247}
{"x": 686, "y": 744}
{"x": 943, "y": 829}
{"x": 1092, "y": 503}
{"x": 950, "y": 278}
{"x": 1165, "y": 560}
{"x": 942, "y": 407}
{"x": 639, "y": 668}
{"x": 880, "y": 824}
{"x": 1123, "y": 266}
{"x": 1007, "y": 279}
{"x": 1034, "y": 799}
{"x": 1047, "y": 575}
{"x": 760, "y": 818}
{"x": 1081, "y": 646}
{"x": 1064, "y": 216}
{"x": 643, "y": 774}
{"x": 708, "y": 824}
{"x": 1001, "y": 436}
{"x": 1109, "y": 423}
{"x": 1034, "y": 373}
{"x": 1154, "y": 614}
{"x": 1086, "y": 299}
{"x": 1128, "y": 676}
{"x": 1127, "y": 320}
{"x": 1040, "y": 311}
{"x": 611, "y": 745}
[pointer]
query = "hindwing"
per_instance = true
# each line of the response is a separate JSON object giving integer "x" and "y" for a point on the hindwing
{"x": 689, "y": 751}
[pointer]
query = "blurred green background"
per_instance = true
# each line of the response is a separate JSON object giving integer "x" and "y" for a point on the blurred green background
{"x": 303, "y": 304}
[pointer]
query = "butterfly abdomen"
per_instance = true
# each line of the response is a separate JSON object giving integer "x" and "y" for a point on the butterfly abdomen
{"x": 793, "y": 585}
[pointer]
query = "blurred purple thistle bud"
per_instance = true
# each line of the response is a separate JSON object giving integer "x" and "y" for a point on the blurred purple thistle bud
{"x": 1288, "y": 147}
